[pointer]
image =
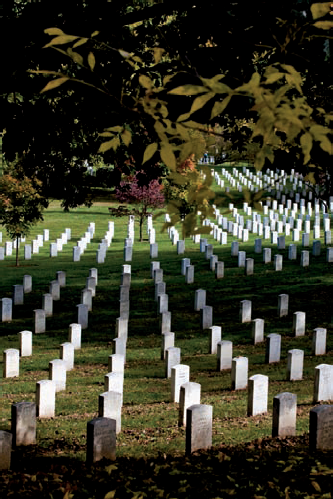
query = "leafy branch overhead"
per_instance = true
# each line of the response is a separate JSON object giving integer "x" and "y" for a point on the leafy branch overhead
{"x": 175, "y": 113}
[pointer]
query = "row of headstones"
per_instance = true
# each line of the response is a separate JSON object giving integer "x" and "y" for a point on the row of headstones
{"x": 223, "y": 349}
{"x": 282, "y": 197}
{"x": 48, "y": 298}
{"x": 55, "y": 247}
{"x": 101, "y": 431}
{"x": 248, "y": 263}
{"x": 268, "y": 180}
{"x": 105, "y": 243}
{"x": 19, "y": 290}
{"x": 28, "y": 248}
{"x": 271, "y": 217}
{"x": 269, "y": 232}
{"x": 183, "y": 391}
{"x": 129, "y": 241}
{"x": 11, "y": 356}
{"x": 110, "y": 402}
{"x": 83, "y": 242}
{"x": 58, "y": 367}
{"x": 270, "y": 228}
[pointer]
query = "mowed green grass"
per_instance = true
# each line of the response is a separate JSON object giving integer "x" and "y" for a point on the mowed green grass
{"x": 149, "y": 419}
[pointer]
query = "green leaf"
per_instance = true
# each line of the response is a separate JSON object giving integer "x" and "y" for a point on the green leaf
{"x": 80, "y": 42}
{"x": 320, "y": 9}
{"x": 324, "y": 24}
{"x": 106, "y": 134}
{"x": 75, "y": 56}
{"x": 61, "y": 40}
{"x": 95, "y": 33}
{"x": 158, "y": 52}
{"x": 53, "y": 31}
{"x": 316, "y": 486}
{"x": 149, "y": 152}
{"x": 124, "y": 54}
{"x": 220, "y": 88}
{"x": 45, "y": 71}
{"x": 188, "y": 90}
{"x": 126, "y": 137}
{"x": 199, "y": 102}
{"x": 272, "y": 78}
{"x": 145, "y": 82}
{"x": 54, "y": 83}
{"x": 116, "y": 128}
{"x": 183, "y": 117}
{"x": 110, "y": 144}
{"x": 306, "y": 144}
{"x": 310, "y": 177}
{"x": 168, "y": 157}
{"x": 326, "y": 145}
{"x": 219, "y": 107}
{"x": 91, "y": 61}
{"x": 110, "y": 495}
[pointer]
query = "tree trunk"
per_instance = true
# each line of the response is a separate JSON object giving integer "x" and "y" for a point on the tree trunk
{"x": 17, "y": 251}
{"x": 140, "y": 225}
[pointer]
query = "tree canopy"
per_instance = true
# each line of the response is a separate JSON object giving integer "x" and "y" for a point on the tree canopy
{"x": 156, "y": 76}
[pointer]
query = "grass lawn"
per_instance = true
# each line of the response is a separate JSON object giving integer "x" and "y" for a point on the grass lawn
{"x": 149, "y": 419}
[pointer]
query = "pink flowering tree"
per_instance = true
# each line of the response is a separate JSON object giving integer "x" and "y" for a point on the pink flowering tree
{"x": 145, "y": 196}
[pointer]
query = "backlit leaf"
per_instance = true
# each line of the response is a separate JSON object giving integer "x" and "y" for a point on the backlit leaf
{"x": 320, "y": 9}
{"x": 272, "y": 78}
{"x": 106, "y": 134}
{"x": 306, "y": 144}
{"x": 316, "y": 486}
{"x": 105, "y": 146}
{"x": 80, "y": 42}
{"x": 124, "y": 54}
{"x": 310, "y": 177}
{"x": 168, "y": 157}
{"x": 110, "y": 144}
{"x": 158, "y": 52}
{"x": 324, "y": 24}
{"x": 126, "y": 137}
{"x": 145, "y": 82}
{"x": 149, "y": 152}
{"x": 326, "y": 145}
{"x": 219, "y": 107}
{"x": 53, "y": 31}
{"x": 61, "y": 40}
{"x": 91, "y": 61}
{"x": 183, "y": 117}
{"x": 188, "y": 90}
{"x": 75, "y": 56}
{"x": 54, "y": 83}
{"x": 116, "y": 128}
{"x": 199, "y": 102}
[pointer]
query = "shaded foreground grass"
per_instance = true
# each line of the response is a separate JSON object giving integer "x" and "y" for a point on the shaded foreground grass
{"x": 265, "y": 468}
{"x": 149, "y": 419}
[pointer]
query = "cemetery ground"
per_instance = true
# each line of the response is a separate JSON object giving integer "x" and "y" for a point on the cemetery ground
{"x": 151, "y": 461}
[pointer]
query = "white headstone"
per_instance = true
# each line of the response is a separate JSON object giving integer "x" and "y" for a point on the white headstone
{"x": 25, "y": 338}
{"x": 199, "y": 427}
{"x": 11, "y": 363}
{"x": 257, "y": 395}
{"x": 190, "y": 394}
{"x": 180, "y": 374}
{"x": 239, "y": 373}
{"x": 57, "y": 373}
